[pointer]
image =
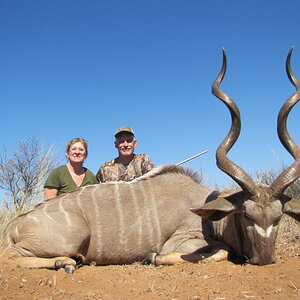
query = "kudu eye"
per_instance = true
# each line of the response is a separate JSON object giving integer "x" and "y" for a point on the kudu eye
{"x": 276, "y": 221}
{"x": 248, "y": 217}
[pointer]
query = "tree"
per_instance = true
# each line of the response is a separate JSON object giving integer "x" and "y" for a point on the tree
{"x": 269, "y": 176}
{"x": 22, "y": 175}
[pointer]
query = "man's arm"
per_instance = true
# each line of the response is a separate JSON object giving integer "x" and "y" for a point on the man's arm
{"x": 147, "y": 164}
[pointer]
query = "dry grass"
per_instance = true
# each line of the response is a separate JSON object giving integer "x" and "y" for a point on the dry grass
{"x": 6, "y": 215}
{"x": 288, "y": 237}
{"x": 8, "y": 211}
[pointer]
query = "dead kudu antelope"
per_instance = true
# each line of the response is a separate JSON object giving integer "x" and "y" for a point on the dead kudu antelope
{"x": 150, "y": 219}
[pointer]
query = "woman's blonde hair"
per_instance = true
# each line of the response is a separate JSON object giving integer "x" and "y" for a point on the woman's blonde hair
{"x": 76, "y": 140}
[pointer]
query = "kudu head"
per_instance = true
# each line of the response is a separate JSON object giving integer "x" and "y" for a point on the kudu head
{"x": 258, "y": 208}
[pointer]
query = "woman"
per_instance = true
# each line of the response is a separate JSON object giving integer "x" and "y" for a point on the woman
{"x": 73, "y": 175}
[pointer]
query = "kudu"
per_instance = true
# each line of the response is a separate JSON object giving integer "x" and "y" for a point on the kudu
{"x": 149, "y": 218}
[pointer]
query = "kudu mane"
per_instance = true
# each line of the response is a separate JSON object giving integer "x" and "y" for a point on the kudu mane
{"x": 170, "y": 169}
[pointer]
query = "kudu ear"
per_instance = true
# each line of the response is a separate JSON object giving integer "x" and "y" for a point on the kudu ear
{"x": 292, "y": 208}
{"x": 216, "y": 209}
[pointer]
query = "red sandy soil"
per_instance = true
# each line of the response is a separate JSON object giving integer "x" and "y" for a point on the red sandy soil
{"x": 222, "y": 280}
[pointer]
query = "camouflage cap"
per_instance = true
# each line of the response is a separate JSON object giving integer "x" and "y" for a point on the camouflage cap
{"x": 123, "y": 129}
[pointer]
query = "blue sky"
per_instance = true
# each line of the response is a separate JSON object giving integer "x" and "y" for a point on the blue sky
{"x": 72, "y": 68}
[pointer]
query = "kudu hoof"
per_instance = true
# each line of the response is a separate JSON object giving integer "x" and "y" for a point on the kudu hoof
{"x": 58, "y": 264}
{"x": 149, "y": 259}
{"x": 70, "y": 269}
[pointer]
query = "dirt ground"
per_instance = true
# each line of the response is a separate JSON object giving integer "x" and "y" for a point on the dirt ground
{"x": 223, "y": 280}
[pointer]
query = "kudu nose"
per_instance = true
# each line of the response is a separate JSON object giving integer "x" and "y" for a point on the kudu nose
{"x": 262, "y": 260}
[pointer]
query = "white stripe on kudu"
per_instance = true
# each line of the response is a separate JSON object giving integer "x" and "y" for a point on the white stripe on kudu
{"x": 153, "y": 214}
{"x": 120, "y": 214}
{"x": 62, "y": 209}
{"x": 135, "y": 199}
{"x": 98, "y": 234}
{"x": 46, "y": 213}
{"x": 148, "y": 226}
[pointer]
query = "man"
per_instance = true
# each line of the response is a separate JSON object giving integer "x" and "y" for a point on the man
{"x": 127, "y": 165}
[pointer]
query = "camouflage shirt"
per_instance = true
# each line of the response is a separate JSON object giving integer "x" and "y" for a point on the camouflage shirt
{"x": 114, "y": 171}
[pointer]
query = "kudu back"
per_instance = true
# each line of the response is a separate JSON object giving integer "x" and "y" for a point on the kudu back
{"x": 150, "y": 218}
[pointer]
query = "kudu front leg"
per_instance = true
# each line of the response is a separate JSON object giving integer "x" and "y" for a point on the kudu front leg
{"x": 175, "y": 258}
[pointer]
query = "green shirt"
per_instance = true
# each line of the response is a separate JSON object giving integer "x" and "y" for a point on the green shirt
{"x": 61, "y": 179}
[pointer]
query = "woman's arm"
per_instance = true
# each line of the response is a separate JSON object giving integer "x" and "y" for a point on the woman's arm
{"x": 50, "y": 193}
